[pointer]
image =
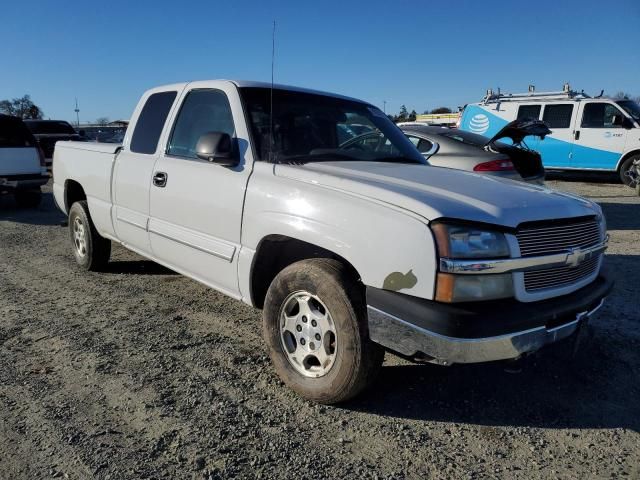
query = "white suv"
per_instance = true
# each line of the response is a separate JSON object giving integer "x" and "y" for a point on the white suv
{"x": 22, "y": 167}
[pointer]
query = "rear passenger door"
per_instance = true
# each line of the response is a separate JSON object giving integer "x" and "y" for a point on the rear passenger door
{"x": 556, "y": 148}
{"x": 196, "y": 214}
{"x": 134, "y": 168}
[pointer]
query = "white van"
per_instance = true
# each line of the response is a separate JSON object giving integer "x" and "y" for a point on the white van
{"x": 588, "y": 133}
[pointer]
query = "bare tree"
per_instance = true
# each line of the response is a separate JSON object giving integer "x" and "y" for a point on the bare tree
{"x": 102, "y": 120}
{"x": 21, "y": 107}
{"x": 622, "y": 95}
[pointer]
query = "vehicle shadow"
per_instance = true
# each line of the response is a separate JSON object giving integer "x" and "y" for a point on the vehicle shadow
{"x": 137, "y": 267}
{"x": 589, "y": 177}
{"x": 546, "y": 391}
{"x": 622, "y": 216}
{"x": 45, "y": 214}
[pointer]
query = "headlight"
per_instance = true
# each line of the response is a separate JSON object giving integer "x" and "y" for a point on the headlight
{"x": 459, "y": 241}
{"x": 469, "y": 242}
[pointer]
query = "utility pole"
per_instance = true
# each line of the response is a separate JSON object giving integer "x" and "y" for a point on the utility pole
{"x": 77, "y": 110}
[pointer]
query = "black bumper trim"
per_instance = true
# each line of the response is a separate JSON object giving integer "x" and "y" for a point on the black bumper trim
{"x": 490, "y": 318}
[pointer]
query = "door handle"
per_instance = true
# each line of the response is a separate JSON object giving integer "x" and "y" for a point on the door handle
{"x": 576, "y": 135}
{"x": 159, "y": 179}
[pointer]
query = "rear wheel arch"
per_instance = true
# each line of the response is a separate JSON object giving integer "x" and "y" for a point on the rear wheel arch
{"x": 276, "y": 252}
{"x": 622, "y": 164}
{"x": 73, "y": 192}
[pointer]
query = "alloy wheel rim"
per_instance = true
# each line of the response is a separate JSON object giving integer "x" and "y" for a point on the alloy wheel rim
{"x": 308, "y": 334}
{"x": 79, "y": 237}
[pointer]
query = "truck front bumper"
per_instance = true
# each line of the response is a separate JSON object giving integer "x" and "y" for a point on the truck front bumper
{"x": 480, "y": 331}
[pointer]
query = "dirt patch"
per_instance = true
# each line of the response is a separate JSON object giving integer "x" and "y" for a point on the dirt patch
{"x": 137, "y": 372}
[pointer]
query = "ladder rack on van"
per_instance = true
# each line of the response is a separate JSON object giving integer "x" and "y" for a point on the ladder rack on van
{"x": 565, "y": 94}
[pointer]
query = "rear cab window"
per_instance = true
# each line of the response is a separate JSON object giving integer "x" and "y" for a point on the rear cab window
{"x": 14, "y": 133}
{"x": 558, "y": 116}
{"x": 151, "y": 121}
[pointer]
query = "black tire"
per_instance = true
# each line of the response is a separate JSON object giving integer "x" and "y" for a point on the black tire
{"x": 626, "y": 171}
{"x": 356, "y": 359}
{"x": 28, "y": 198}
{"x": 96, "y": 250}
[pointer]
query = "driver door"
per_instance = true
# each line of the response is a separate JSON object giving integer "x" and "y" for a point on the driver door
{"x": 196, "y": 206}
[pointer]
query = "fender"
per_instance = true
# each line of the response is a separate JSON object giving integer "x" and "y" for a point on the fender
{"x": 389, "y": 248}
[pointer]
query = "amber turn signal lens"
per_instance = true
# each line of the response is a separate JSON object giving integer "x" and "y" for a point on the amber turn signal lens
{"x": 445, "y": 284}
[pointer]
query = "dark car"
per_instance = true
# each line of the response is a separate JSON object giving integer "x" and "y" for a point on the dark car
{"x": 454, "y": 148}
{"x": 48, "y": 132}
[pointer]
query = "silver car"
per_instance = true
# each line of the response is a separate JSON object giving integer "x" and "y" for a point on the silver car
{"x": 453, "y": 148}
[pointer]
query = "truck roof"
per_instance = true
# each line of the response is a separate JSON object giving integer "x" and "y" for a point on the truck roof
{"x": 254, "y": 84}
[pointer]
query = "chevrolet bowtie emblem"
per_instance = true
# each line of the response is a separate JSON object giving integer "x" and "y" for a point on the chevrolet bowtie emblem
{"x": 576, "y": 256}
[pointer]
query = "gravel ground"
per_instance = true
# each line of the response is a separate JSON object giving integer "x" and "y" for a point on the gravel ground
{"x": 137, "y": 372}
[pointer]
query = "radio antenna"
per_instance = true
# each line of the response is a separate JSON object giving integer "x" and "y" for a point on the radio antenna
{"x": 273, "y": 54}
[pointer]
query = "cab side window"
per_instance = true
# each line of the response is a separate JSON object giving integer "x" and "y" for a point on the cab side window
{"x": 599, "y": 115}
{"x": 203, "y": 111}
{"x": 151, "y": 121}
{"x": 558, "y": 116}
{"x": 529, "y": 111}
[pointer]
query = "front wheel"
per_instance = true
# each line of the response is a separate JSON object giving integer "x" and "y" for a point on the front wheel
{"x": 630, "y": 171}
{"x": 315, "y": 325}
{"x": 91, "y": 251}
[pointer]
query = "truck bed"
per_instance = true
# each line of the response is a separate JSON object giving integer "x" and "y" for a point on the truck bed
{"x": 91, "y": 165}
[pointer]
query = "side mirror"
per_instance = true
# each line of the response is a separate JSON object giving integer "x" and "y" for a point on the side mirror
{"x": 217, "y": 147}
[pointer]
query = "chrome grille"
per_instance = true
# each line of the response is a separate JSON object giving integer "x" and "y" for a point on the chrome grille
{"x": 541, "y": 239}
{"x": 559, "y": 276}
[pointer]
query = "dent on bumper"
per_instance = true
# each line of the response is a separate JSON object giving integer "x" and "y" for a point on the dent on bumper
{"x": 408, "y": 339}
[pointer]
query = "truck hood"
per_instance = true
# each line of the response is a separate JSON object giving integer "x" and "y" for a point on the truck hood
{"x": 434, "y": 192}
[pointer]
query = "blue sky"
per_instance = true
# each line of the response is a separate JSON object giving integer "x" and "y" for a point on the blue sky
{"x": 421, "y": 54}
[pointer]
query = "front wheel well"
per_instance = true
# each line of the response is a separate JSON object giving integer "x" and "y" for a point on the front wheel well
{"x": 73, "y": 192}
{"x": 276, "y": 252}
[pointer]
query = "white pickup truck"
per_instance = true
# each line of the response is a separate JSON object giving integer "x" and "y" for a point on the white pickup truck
{"x": 349, "y": 250}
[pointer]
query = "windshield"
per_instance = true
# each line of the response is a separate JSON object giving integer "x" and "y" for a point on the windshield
{"x": 311, "y": 127}
{"x": 50, "y": 127}
{"x": 631, "y": 107}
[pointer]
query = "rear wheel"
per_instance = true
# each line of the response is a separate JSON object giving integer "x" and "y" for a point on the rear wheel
{"x": 28, "y": 198}
{"x": 90, "y": 250}
{"x": 315, "y": 325}
{"x": 630, "y": 171}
